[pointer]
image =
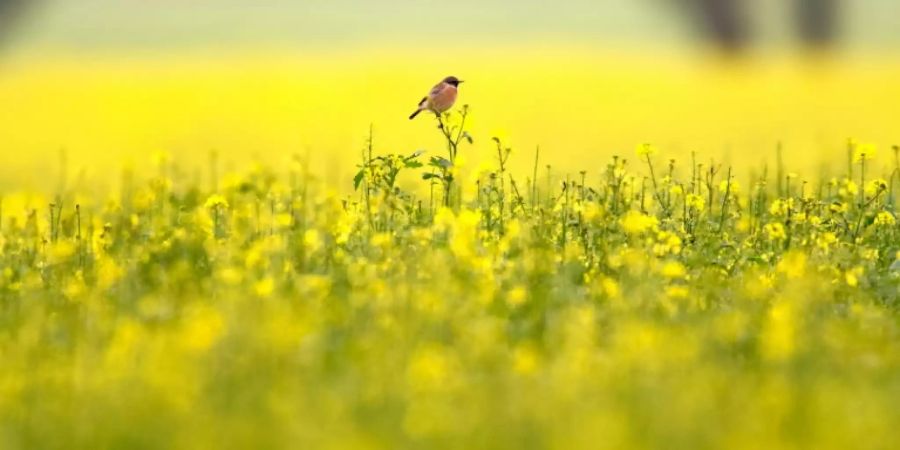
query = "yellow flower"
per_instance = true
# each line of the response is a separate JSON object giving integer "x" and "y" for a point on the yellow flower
{"x": 876, "y": 186}
{"x": 869, "y": 254}
{"x": 864, "y": 152}
{"x": 610, "y": 287}
{"x": 792, "y": 265}
{"x": 775, "y": 231}
{"x": 312, "y": 240}
{"x": 264, "y": 288}
{"x": 677, "y": 292}
{"x": 75, "y": 287}
{"x": 838, "y": 207}
{"x": 382, "y": 240}
{"x": 645, "y": 150}
{"x": 229, "y": 276}
{"x": 143, "y": 199}
{"x": 216, "y": 200}
{"x": 592, "y": 211}
{"x": 108, "y": 272}
{"x": 634, "y": 222}
{"x": 848, "y": 188}
{"x": 852, "y": 276}
{"x": 733, "y": 187}
{"x": 516, "y": 296}
{"x": 695, "y": 202}
{"x": 780, "y": 207}
{"x": 673, "y": 269}
{"x": 884, "y": 218}
{"x": 778, "y": 340}
{"x": 444, "y": 219}
{"x": 60, "y": 252}
{"x": 619, "y": 170}
{"x": 667, "y": 243}
{"x": 525, "y": 360}
{"x": 202, "y": 329}
{"x": 825, "y": 240}
{"x": 431, "y": 368}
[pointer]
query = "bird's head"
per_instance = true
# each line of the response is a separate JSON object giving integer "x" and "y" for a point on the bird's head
{"x": 452, "y": 81}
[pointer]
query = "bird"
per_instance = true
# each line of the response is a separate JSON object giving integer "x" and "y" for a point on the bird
{"x": 441, "y": 97}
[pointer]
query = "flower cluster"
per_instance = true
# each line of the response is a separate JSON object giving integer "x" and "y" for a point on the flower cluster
{"x": 618, "y": 309}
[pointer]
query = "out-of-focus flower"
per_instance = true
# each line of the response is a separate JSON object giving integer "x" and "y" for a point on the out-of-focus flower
{"x": 645, "y": 150}
{"x": 695, "y": 202}
{"x": 864, "y": 152}
{"x": 775, "y": 231}
{"x": 884, "y": 218}
{"x": 635, "y": 222}
{"x": 312, "y": 240}
{"x": 852, "y": 276}
{"x": 216, "y": 201}
{"x": 673, "y": 269}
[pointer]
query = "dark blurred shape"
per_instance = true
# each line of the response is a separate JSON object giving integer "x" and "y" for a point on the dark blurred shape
{"x": 727, "y": 22}
{"x": 11, "y": 12}
{"x": 817, "y": 21}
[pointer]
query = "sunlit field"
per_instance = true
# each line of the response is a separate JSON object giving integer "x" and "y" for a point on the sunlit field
{"x": 597, "y": 250}
{"x": 582, "y": 106}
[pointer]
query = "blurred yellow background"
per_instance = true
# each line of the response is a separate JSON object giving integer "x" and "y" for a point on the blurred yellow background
{"x": 109, "y": 97}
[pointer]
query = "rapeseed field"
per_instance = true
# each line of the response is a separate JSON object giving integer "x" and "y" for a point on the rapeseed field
{"x": 658, "y": 299}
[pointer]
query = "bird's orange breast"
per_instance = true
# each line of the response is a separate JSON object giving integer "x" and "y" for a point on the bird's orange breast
{"x": 443, "y": 99}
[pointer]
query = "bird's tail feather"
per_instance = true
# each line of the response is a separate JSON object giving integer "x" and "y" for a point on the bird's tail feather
{"x": 413, "y": 116}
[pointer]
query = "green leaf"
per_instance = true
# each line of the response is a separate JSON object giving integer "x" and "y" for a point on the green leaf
{"x": 439, "y": 162}
{"x": 358, "y": 179}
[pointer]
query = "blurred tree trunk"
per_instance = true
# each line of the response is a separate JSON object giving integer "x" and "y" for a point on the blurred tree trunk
{"x": 725, "y": 21}
{"x": 817, "y": 21}
{"x": 10, "y": 13}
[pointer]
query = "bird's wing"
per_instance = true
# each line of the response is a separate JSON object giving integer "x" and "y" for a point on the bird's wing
{"x": 437, "y": 89}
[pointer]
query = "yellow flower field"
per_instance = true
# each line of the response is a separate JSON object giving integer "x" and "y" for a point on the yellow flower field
{"x": 581, "y": 105}
{"x": 626, "y": 249}
{"x": 636, "y": 303}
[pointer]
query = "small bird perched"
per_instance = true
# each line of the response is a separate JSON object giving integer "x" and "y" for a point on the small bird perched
{"x": 441, "y": 98}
